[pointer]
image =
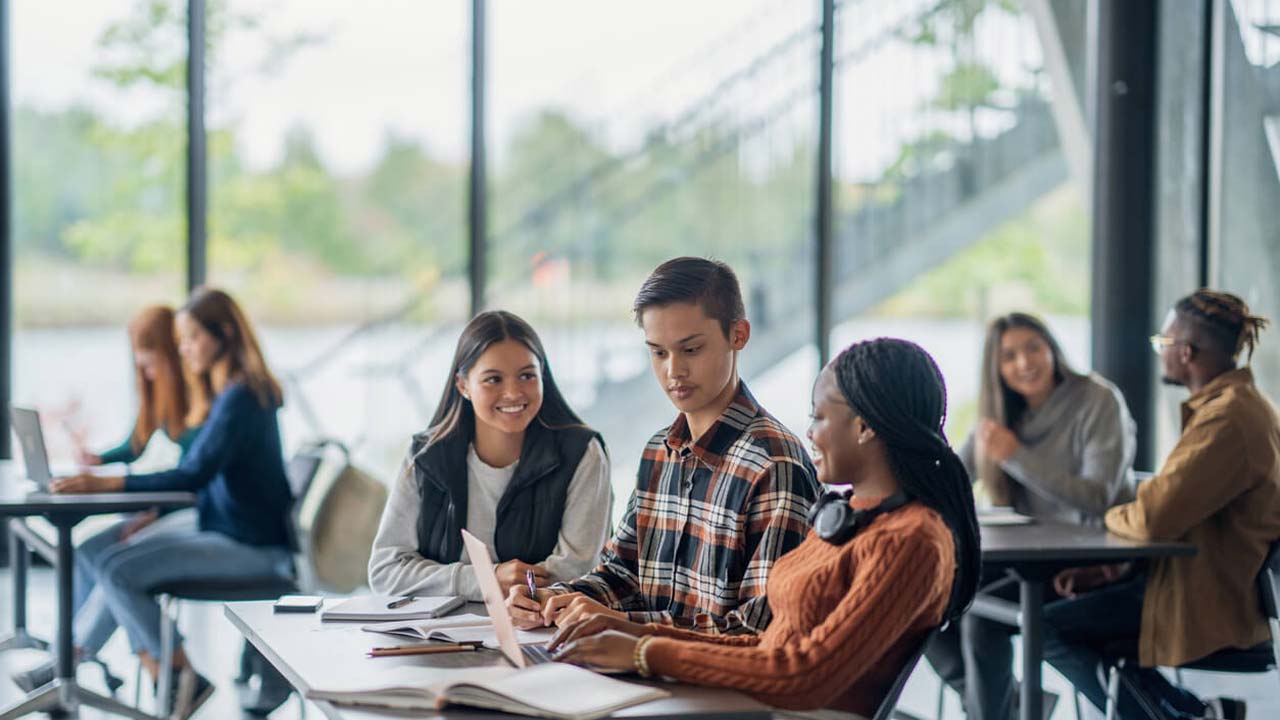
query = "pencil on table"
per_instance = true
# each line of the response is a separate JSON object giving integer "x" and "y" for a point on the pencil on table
{"x": 420, "y": 650}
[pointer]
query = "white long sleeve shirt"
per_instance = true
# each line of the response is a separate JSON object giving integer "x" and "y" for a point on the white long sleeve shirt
{"x": 396, "y": 567}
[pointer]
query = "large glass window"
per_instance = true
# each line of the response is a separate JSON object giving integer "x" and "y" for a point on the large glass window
{"x": 338, "y": 167}
{"x": 1244, "y": 253}
{"x": 609, "y": 156}
{"x": 98, "y": 129}
{"x": 955, "y": 199}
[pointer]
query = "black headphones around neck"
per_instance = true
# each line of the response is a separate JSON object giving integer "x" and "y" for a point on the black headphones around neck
{"x": 835, "y": 521}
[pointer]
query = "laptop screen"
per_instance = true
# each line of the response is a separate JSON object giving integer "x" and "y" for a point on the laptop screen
{"x": 26, "y": 425}
{"x": 494, "y": 602}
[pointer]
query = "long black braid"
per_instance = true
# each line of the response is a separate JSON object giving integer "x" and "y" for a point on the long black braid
{"x": 896, "y": 387}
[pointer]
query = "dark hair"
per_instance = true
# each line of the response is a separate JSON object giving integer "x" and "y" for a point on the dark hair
{"x": 484, "y": 331}
{"x": 709, "y": 284}
{"x": 897, "y": 389}
{"x": 222, "y": 318}
{"x": 998, "y": 402}
{"x": 1223, "y": 320}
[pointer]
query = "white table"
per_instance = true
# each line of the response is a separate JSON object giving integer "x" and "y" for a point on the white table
{"x": 312, "y": 654}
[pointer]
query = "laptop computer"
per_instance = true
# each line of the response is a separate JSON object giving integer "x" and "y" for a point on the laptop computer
{"x": 26, "y": 425}
{"x": 521, "y": 656}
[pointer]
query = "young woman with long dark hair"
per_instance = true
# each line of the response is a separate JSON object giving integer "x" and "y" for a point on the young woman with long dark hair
{"x": 881, "y": 568}
{"x": 1055, "y": 444}
{"x": 504, "y": 457}
{"x": 236, "y": 469}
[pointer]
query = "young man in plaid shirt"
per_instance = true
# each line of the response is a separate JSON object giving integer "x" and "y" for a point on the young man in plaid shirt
{"x": 721, "y": 494}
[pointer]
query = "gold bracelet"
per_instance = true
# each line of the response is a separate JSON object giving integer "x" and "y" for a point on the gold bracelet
{"x": 641, "y": 663}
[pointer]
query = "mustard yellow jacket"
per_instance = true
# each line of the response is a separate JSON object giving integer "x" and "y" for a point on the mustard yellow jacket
{"x": 1219, "y": 490}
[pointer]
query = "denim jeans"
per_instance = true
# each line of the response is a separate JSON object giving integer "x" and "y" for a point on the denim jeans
{"x": 1078, "y": 630}
{"x": 94, "y": 623}
{"x": 126, "y": 572}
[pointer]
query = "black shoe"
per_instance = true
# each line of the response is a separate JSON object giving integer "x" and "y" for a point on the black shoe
{"x": 1226, "y": 709}
{"x": 36, "y": 677}
{"x": 112, "y": 682}
{"x": 192, "y": 690}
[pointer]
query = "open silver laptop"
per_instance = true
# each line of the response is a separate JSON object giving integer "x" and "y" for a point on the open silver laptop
{"x": 521, "y": 656}
{"x": 26, "y": 425}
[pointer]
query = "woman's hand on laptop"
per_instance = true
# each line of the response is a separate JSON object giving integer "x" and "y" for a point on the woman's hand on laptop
{"x": 609, "y": 650}
{"x": 571, "y": 608}
{"x": 595, "y": 625}
{"x": 86, "y": 483}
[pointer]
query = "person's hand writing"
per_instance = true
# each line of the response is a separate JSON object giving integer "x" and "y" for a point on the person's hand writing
{"x": 609, "y": 650}
{"x": 594, "y": 625}
{"x": 996, "y": 441}
{"x": 570, "y": 608}
{"x": 511, "y": 574}
{"x": 86, "y": 483}
{"x": 526, "y": 612}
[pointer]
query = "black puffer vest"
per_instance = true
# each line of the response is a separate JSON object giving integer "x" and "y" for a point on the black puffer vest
{"x": 530, "y": 511}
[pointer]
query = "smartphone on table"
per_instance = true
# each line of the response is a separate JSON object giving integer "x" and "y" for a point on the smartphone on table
{"x": 298, "y": 603}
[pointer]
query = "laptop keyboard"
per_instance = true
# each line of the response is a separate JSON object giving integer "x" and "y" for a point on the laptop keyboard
{"x": 535, "y": 654}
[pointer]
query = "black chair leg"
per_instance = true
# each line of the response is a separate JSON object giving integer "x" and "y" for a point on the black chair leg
{"x": 247, "y": 659}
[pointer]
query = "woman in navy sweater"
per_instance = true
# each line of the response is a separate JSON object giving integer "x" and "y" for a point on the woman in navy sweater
{"x": 236, "y": 469}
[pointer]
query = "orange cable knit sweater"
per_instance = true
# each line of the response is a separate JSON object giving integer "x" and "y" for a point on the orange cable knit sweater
{"x": 845, "y": 619}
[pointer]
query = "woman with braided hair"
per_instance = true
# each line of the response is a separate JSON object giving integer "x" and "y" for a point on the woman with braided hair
{"x": 1219, "y": 490}
{"x": 882, "y": 566}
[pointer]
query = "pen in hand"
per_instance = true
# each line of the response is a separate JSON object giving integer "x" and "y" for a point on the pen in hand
{"x": 533, "y": 585}
{"x": 400, "y": 602}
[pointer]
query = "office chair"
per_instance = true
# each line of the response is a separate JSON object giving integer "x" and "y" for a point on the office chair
{"x": 1260, "y": 658}
{"x": 301, "y": 471}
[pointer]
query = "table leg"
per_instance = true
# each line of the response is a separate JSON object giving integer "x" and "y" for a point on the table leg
{"x": 63, "y": 694}
{"x": 1032, "y": 596}
{"x": 19, "y": 564}
{"x": 65, "y": 654}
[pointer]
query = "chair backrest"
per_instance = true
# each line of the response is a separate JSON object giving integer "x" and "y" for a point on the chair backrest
{"x": 302, "y": 468}
{"x": 1269, "y": 582}
{"x": 890, "y": 701}
{"x": 300, "y": 472}
{"x": 337, "y": 521}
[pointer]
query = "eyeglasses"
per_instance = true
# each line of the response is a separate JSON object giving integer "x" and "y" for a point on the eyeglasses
{"x": 1160, "y": 342}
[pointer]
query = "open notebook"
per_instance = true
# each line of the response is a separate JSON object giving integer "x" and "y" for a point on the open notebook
{"x": 550, "y": 690}
{"x": 463, "y": 628}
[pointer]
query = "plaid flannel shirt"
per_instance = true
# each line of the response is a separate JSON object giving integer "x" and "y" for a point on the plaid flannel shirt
{"x": 706, "y": 522}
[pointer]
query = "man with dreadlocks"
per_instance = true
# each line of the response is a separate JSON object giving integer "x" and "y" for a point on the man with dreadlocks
{"x": 1219, "y": 489}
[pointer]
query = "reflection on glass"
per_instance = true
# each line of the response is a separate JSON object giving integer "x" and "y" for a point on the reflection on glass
{"x": 954, "y": 199}
{"x": 609, "y": 157}
{"x": 1245, "y": 251}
